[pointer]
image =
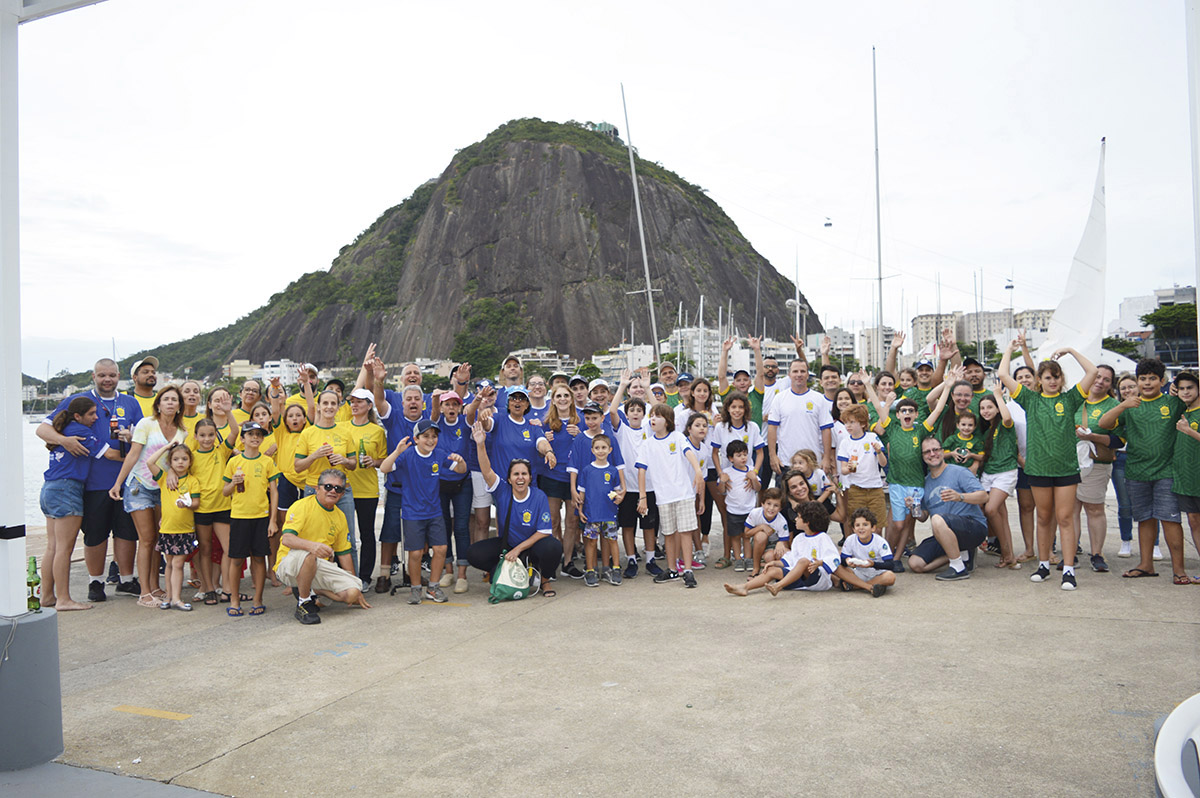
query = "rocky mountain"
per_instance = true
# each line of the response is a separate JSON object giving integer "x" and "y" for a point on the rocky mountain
{"x": 527, "y": 238}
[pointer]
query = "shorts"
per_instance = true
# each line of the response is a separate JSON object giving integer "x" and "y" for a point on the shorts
{"x": 677, "y": 516}
{"x": 62, "y": 497}
{"x": 1053, "y": 482}
{"x": 627, "y": 514}
{"x": 593, "y": 530}
{"x": 208, "y": 519}
{"x": 711, "y": 476}
{"x": 871, "y": 498}
{"x": 288, "y": 493}
{"x": 420, "y": 535}
{"x": 967, "y": 531}
{"x": 1093, "y": 486}
{"x": 896, "y": 496}
{"x": 176, "y": 544}
{"x": 866, "y": 574}
{"x": 1153, "y": 500}
{"x": 1005, "y": 481}
{"x": 248, "y": 538}
{"x": 329, "y": 577}
{"x": 393, "y": 527}
{"x": 479, "y": 492}
{"x": 138, "y": 497}
{"x": 817, "y": 581}
{"x": 554, "y": 488}
{"x": 737, "y": 525}
{"x": 1022, "y": 479}
{"x": 102, "y": 515}
{"x": 1188, "y": 504}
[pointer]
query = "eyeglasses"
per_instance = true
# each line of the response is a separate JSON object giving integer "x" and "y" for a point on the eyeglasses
{"x": 855, "y": 382}
{"x": 334, "y": 488}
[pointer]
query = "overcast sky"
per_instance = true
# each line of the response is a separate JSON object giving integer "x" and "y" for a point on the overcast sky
{"x": 181, "y": 162}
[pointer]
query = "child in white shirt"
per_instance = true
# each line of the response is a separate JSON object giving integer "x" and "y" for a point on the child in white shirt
{"x": 866, "y": 557}
{"x": 808, "y": 565}
{"x": 741, "y": 485}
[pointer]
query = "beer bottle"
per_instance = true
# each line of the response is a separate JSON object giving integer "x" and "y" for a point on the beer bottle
{"x": 362, "y": 455}
{"x": 33, "y": 587}
{"x": 241, "y": 486}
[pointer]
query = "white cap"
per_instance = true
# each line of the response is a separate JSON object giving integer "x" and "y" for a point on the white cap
{"x": 151, "y": 359}
{"x": 364, "y": 394}
{"x": 596, "y": 383}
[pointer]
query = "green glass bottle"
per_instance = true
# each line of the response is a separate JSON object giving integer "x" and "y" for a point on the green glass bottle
{"x": 362, "y": 454}
{"x": 33, "y": 587}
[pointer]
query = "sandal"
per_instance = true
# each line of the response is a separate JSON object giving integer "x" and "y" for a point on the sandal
{"x": 234, "y": 612}
{"x": 724, "y": 562}
{"x": 1182, "y": 580}
{"x": 179, "y": 605}
{"x": 225, "y": 598}
{"x": 257, "y": 609}
{"x": 551, "y": 593}
{"x": 147, "y": 600}
{"x": 1026, "y": 557}
{"x": 210, "y": 598}
{"x": 159, "y": 594}
{"x": 1138, "y": 573}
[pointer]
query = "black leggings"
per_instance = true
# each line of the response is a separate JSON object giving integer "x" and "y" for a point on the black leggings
{"x": 545, "y": 554}
{"x": 364, "y": 511}
{"x": 706, "y": 517}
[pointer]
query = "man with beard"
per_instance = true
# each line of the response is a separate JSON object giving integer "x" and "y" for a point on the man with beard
{"x": 144, "y": 374}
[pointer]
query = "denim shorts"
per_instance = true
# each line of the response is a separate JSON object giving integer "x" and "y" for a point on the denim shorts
{"x": 896, "y": 496}
{"x": 1153, "y": 500}
{"x": 138, "y": 497}
{"x": 62, "y": 497}
{"x": 420, "y": 535}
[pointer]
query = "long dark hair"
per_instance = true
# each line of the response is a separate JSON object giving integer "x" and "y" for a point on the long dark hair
{"x": 78, "y": 406}
{"x": 736, "y": 396}
{"x": 834, "y": 411}
{"x": 989, "y": 435}
{"x": 178, "y": 420}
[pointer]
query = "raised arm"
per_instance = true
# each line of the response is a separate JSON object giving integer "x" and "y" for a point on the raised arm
{"x": 379, "y": 377}
{"x": 723, "y": 366}
{"x": 1004, "y": 370}
{"x": 893, "y": 353}
{"x": 760, "y": 384}
{"x": 614, "y": 407}
{"x": 935, "y": 413}
{"x": 947, "y": 350}
{"x": 826, "y": 348}
{"x": 1089, "y": 368}
{"x": 485, "y": 464}
{"x": 881, "y": 408}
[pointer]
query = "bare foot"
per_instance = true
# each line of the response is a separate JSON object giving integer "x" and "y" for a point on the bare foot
{"x": 274, "y": 579}
{"x": 48, "y": 602}
{"x": 67, "y": 606}
{"x": 737, "y": 590}
{"x": 1027, "y": 556}
{"x": 774, "y": 588}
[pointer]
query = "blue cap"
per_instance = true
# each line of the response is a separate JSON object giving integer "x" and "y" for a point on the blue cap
{"x": 483, "y": 384}
{"x": 684, "y": 377}
{"x": 424, "y": 425}
{"x": 924, "y": 362}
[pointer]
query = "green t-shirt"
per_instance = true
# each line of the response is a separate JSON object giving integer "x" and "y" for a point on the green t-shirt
{"x": 1149, "y": 434}
{"x": 756, "y": 402}
{"x": 973, "y": 443}
{"x": 1185, "y": 465}
{"x": 673, "y": 399}
{"x": 1003, "y": 456}
{"x": 905, "y": 466}
{"x": 975, "y": 397}
{"x": 1091, "y": 412}
{"x": 1050, "y": 424}
{"x": 919, "y": 395}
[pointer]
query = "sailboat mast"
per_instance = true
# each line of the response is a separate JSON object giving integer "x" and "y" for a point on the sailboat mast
{"x": 637, "y": 203}
{"x": 878, "y": 228}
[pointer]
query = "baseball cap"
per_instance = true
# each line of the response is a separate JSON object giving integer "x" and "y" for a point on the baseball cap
{"x": 449, "y": 396}
{"x": 596, "y": 383}
{"x": 576, "y": 378}
{"x": 683, "y": 377}
{"x": 740, "y": 371}
{"x": 309, "y": 367}
{"x": 364, "y": 394}
{"x": 252, "y": 426}
{"x": 658, "y": 386}
{"x": 151, "y": 359}
{"x": 485, "y": 383}
{"x": 339, "y": 382}
{"x": 924, "y": 362}
{"x": 558, "y": 374}
{"x": 970, "y": 361}
{"x": 511, "y": 357}
{"x": 424, "y": 425}
{"x": 517, "y": 390}
{"x": 593, "y": 407}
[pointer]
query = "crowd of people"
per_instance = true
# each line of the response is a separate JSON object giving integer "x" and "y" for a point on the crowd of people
{"x": 190, "y": 487}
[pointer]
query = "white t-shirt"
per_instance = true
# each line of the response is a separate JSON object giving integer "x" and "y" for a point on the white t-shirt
{"x": 868, "y": 475}
{"x": 838, "y": 435}
{"x": 630, "y": 441}
{"x": 1018, "y": 416}
{"x": 818, "y": 482}
{"x": 769, "y": 394}
{"x": 682, "y": 414}
{"x": 721, "y": 435}
{"x": 799, "y": 419}
{"x": 665, "y": 459}
{"x": 759, "y": 517}
{"x": 875, "y": 549}
{"x": 149, "y": 434}
{"x": 813, "y": 548}
{"x": 740, "y": 499}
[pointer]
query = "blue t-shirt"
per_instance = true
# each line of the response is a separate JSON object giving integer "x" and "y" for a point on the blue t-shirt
{"x": 104, "y": 472}
{"x": 398, "y": 428}
{"x": 525, "y": 518}
{"x": 64, "y": 465}
{"x": 454, "y": 439}
{"x": 561, "y": 446}
{"x": 956, "y": 478}
{"x": 538, "y": 413}
{"x": 513, "y": 441}
{"x": 420, "y": 476}
{"x": 596, "y": 483}
{"x": 581, "y": 452}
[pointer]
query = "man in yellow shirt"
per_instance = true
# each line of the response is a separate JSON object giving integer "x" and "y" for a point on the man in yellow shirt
{"x": 144, "y": 374}
{"x": 314, "y": 531}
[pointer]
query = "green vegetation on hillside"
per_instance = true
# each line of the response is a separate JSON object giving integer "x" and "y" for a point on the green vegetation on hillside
{"x": 490, "y": 331}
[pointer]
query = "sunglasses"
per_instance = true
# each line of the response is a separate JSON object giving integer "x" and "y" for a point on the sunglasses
{"x": 334, "y": 488}
{"x": 855, "y": 382}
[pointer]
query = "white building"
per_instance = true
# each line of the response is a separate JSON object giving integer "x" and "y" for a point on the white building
{"x": 29, "y": 393}
{"x": 841, "y": 343}
{"x": 285, "y": 370}
{"x": 549, "y": 359}
{"x": 240, "y": 369}
{"x": 1175, "y": 295}
{"x": 613, "y": 361}
{"x": 1034, "y": 320}
{"x": 988, "y": 325}
{"x": 873, "y": 348}
{"x": 927, "y": 329}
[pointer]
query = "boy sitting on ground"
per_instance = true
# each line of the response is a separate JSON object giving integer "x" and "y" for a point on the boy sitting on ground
{"x": 808, "y": 565}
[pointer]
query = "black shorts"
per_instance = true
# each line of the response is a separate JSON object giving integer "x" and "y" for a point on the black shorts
{"x": 967, "y": 531}
{"x": 627, "y": 514}
{"x": 737, "y": 525}
{"x": 1052, "y": 482}
{"x": 1022, "y": 480}
{"x": 208, "y": 519}
{"x": 102, "y": 515}
{"x": 1188, "y": 504}
{"x": 248, "y": 538}
{"x": 554, "y": 488}
{"x": 289, "y": 494}
{"x": 711, "y": 476}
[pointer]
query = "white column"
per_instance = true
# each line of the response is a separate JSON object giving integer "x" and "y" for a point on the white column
{"x": 12, "y": 492}
{"x": 1192, "y": 14}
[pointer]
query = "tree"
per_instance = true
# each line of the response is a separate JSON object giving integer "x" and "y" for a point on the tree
{"x": 676, "y": 359}
{"x": 1122, "y": 346}
{"x": 1172, "y": 325}
{"x": 588, "y": 370}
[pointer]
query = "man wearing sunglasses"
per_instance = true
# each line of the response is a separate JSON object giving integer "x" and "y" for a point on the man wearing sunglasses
{"x": 951, "y": 503}
{"x": 315, "y": 531}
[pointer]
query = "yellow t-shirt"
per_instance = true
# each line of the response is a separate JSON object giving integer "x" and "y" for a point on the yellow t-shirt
{"x": 364, "y": 482}
{"x": 189, "y": 423}
{"x": 208, "y": 468}
{"x": 147, "y": 403}
{"x": 285, "y": 454}
{"x": 314, "y": 437}
{"x": 259, "y": 472}
{"x": 178, "y": 520}
{"x": 240, "y": 416}
{"x": 307, "y": 519}
{"x": 343, "y": 413}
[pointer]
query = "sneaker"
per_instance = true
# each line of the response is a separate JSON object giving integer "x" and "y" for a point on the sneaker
{"x": 447, "y": 580}
{"x": 1068, "y": 582}
{"x": 698, "y": 557}
{"x": 1126, "y": 549}
{"x": 1157, "y": 553}
{"x": 739, "y": 564}
{"x": 590, "y": 578}
{"x": 613, "y": 576}
{"x": 435, "y": 594}
{"x": 666, "y": 576}
{"x": 131, "y": 588}
{"x": 876, "y": 590}
{"x": 897, "y": 566}
{"x": 659, "y": 554}
{"x": 1041, "y": 575}
{"x": 96, "y": 591}
{"x": 366, "y": 586}
{"x": 631, "y": 570}
{"x": 414, "y": 595}
{"x": 572, "y": 570}
{"x": 395, "y": 566}
{"x": 697, "y": 565}
{"x": 383, "y": 584}
{"x": 993, "y": 547}
{"x": 306, "y": 613}
{"x": 689, "y": 579}
{"x": 460, "y": 585}
{"x": 653, "y": 568}
{"x": 951, "y": 575}
{"x": 1098, "y": 564}
{"x": 114, "y": 573}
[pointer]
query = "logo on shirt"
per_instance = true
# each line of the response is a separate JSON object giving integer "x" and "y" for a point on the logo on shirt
{"x": 607, "y": 477}
{"x": 545, "y": 518}
{"x": 458, "y": 433}
{"x": 1194, "y": 425}
{"x": 525, "y": 434}
{"x": 1058, "y": 408}
{"x": 434, "y": 468}
{"x": 291, "y": 516}
{"x": 526, "y": 517}
{"x": 813, "y": 556}
{"x": 916, "y": 442}
{"x": 1165, "y": 411}
{"x": 671, "y": 448}
{"x": 871, "y": 553}
{"x": 120, "y": 412}
{"x": 808, "y": 406}
{"x": 866, "y": 447}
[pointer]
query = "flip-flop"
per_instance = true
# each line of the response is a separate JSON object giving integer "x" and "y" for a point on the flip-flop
{"x": 225, "y": 598}
{"x": 1026, "y": 557}
{"x": 257, "y": 609}
{"x": 551, "y": 593}
{"x": 1138, "y": 573}
{"x": 234, "y": 612}
{"x": 1182, "y": 580}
